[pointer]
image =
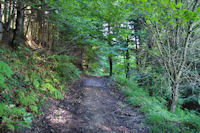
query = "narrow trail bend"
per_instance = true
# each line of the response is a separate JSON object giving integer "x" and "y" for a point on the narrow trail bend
{"x": 90, "y": 106}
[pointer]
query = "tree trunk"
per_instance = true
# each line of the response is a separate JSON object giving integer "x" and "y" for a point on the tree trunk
{"x": 1, "y": 25}
{"x": 18, "y": 32}
{"x": 40, "y": 26}
{"x": 127, "y": 60}
{"x": 110, "y": 45}
{"x": 0, "y": 13}
{"x": 1, "y": 31}
{"x": 5, "y": 11}
{"x": 9, "y": 15}
{"x": 13, "y": 15}
{"x": 137, "y": 55}
{"x": 174, "y": 96}
{"x": 111, "y": 65}
{"x": 82, "y": 58}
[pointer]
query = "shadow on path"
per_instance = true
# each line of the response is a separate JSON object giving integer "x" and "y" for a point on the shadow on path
{"x": 90, "y": 106}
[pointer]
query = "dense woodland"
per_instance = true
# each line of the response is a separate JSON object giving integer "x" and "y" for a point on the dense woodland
{"x": 150, "y": 48}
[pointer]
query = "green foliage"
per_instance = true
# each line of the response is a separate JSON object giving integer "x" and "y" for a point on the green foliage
{"x": 155, "y": 110}
{"x": 13, "y": 116}
{"x": 53, "y": 91}
{"x": 26, "y": 80}
{"x": 9, "y": 113}
{"x": 5, "y": 72}
{"x": 64, "y": 68}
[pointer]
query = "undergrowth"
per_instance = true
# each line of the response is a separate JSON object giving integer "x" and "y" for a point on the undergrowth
{"x": 26, "y": 80}
{"x": 156, "y": 113}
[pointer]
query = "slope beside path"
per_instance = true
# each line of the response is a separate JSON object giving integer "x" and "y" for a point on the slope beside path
{"x": 90, "y": 106}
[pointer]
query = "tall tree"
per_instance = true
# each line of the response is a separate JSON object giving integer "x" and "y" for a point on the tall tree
{"x": 172, "y": 25}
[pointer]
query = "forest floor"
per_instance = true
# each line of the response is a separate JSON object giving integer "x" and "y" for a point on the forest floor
{"x": 92, "y": 105}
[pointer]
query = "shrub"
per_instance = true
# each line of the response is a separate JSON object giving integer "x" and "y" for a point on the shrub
{"x": 26, "y": 80}
{"x": 64, "y": 68}
{"x": 156, "y": 114}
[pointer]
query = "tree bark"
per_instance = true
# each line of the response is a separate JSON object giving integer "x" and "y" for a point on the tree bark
{"x": 0, "y": 13}
{"x": 13, "y": 15}
{"x": 174, "y": 96}
{"x": 127, "y": 60}
{"x": 137, "y": 55}
{"x": 5, "y": 11}
{"x": 10, "y": 15}
{"x": 110, "y": 56}
{"x": 111, "y": 65}
{"x": 18, "y": 32}
{"x": 1, "y": 25}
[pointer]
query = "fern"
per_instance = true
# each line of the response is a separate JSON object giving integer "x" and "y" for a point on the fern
{"x": 157, "y": 115}
{"x": 21, "y": 84}
{"x": 54, "y": 92}
{"x": 34, "y": 108}
{"x": 36, "y": 83}
{"x": 5, "y": 70}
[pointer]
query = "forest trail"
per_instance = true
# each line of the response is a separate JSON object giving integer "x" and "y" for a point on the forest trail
{"x": 90, "y": 106}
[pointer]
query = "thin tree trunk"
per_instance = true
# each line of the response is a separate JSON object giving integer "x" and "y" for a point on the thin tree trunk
{"x": 10, "y": 15}
{"x": 0, "y": 13}
{"x": 110, "y": 56}
{"x": 1, "y": 25}
{"x": 111, "y": 65}
{"x": 137, "y": 55}
{"x": 13, "y": 15}
{"x": 82, "y": 58}
{"x": 174, "y": 96}
{"x": 127, "y": 60}
{"x": 5, "y": 11}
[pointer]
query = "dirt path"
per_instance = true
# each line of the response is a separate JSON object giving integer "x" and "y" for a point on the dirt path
{"x": 91, "y": 106}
